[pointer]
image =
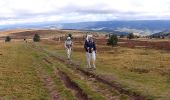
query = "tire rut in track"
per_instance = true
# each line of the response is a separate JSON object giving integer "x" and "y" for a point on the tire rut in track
{"x": 80, "y": 95}
{"x": 92, "y": 83}
{"x": 116, "y": 86}
{"x": 47, "y": 82}
{"x": 107, "y": 92}
{"x": 77, "y": 91}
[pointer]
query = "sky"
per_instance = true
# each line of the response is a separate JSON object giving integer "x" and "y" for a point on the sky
{"x": 70, "y": 11}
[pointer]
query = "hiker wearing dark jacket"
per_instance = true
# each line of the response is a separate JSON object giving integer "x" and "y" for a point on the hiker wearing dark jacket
{"x": 90, "y": 48}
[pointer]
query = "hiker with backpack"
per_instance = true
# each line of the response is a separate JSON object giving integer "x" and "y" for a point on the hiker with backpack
{"x": 68, "y": 46}
{"x": 90, "y": 48}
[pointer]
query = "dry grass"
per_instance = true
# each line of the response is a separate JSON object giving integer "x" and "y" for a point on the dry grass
{"x": 9, "y": 32}
{"x": 18, "y": 78}
{"x": 143, "y": 70}
{"x": 153, "y": 40}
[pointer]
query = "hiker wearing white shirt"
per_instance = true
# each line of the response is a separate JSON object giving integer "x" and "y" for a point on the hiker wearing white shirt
{"x": 90, "y": 48}
{"x": 68, "y": 46}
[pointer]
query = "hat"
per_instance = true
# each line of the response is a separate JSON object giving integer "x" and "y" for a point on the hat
{"x": 68, "y": 38}
{"x": 89, "y": 36}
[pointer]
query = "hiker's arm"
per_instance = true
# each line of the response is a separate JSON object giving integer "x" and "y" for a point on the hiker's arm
{"x": 94, "y": 44}
{"x": 65, "y": 44}
{"x": 71, "y": 44}
{"x": 94, "y": 47}
{"x": 85, "y": 46}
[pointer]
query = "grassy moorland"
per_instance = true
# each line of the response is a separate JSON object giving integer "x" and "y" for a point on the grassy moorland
{"x": 32, "y": 71}
{"x": 25, "y": 75}
{"x": 145, "y": 71}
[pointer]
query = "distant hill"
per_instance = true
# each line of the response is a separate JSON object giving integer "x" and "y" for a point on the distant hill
{"x": 162, "y": 34}
{"x": 9, "y": 32}
{"x": 44, "y": 33}
{"x": 150, "y": 26}
{"x": 143, "y": 27}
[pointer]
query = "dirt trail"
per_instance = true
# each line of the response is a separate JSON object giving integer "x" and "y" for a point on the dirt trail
{"x": 80, "y": 95}
{"x": 47, "y": 81}
{"x": 75, "y": 66}
{"x": 108, "y": 93}
{"x": 118, "y": 87}
{"x": 77, "y": 91}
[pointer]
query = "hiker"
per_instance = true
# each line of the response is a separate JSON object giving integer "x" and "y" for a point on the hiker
{"x": 90, "y": 48}
{"x": 68, "y": 46}
{"x": 25, "y": 40}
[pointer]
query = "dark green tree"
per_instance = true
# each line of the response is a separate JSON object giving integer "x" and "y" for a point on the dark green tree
{"x": 36, "y": 38}
{"x": 112, "y": 40}
{"x": 8, "y": 39}
{"x": 130, "y": 36}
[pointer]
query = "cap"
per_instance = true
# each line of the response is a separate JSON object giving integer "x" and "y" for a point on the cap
{"x": 68, "y": 38}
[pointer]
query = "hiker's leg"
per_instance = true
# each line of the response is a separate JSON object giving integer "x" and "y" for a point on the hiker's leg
{"x": 88, "y": 60}
{"x": 69, "y": 53}
{"x": 94, "y": 59}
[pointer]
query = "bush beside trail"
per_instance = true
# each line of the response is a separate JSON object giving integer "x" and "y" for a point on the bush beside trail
{"x": 36, "y": 38}
{"x": 8, "y": 39}
{"x": 112, "y": 40}
{"x": 130, "y": 36}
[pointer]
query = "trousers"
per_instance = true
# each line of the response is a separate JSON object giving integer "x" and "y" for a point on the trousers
{"x": 91, "y": 57}
{"x": 68, "y": 51}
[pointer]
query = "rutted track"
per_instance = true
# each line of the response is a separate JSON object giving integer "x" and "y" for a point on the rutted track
{"x": 80, "y": 95}
{"x": 132, "y": 95}
{"x": 48, "y": 83}
{"x": 105, "y": 92}
{"x": 75, "y": 66}
{"x": 76, "y": 90}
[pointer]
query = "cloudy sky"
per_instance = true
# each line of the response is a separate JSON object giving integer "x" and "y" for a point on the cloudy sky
{"x": 29, "y": 11}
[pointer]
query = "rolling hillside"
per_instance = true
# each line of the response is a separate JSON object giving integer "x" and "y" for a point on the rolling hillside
{"x": 141, "y": 26}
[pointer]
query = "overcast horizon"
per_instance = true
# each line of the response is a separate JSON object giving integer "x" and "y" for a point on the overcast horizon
{"x": 71, "y": 11}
